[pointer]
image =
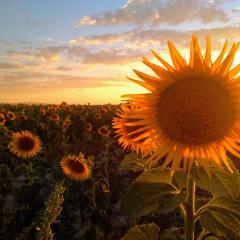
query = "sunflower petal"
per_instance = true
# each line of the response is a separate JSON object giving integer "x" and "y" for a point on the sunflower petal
{"x": 177, "y": 59}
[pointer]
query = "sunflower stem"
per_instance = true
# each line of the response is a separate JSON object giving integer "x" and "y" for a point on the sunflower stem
{"x": 190, "y": 209}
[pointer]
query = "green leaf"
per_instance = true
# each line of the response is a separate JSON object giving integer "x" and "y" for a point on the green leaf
{"x": 174, "y": 202}
{"x": 145, "y": 198}
{"x": 222, "y": 183}
{"x": 158, "y": 175}
{"x": 222, "y": 217}
{"x": 142, "y": 232}
{"x": 171, "y": 233}
{"x": 180, "y": 179}
{"x": 133, "y": 162}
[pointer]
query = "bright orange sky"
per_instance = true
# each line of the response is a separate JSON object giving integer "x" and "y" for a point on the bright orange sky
{"x": 79, "y": 52}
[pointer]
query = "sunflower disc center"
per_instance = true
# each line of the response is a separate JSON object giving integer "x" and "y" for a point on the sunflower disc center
{"x": 26, "y": 143}
{"x": 196, "y": 111}
{"x": 76, "y": 166}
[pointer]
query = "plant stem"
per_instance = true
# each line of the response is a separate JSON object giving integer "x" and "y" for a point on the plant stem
{"x": 190, "y": 210}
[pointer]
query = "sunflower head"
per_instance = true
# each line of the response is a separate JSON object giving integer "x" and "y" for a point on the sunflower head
{"x": 104, "y": 131}
{"x": 54, "y": 117}
{"x": 2, "y": 119}
{"x": 88, "y": 126}
{"x": 43, "y": 111}
{"x": 11, "y": 115}
{"x": 22, "y": 117}
{"x": 98, "y": 115}
{"x": 66, "y": 123}
{"x": 130, "y": 137}
{"x": 75, "y": 167}
{"x": 103, "y": 110}
{"x": 192, "y": 108}
{"x": 24, "y": 144}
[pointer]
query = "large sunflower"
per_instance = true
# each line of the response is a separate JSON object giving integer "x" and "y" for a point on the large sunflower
{"x": 75, "y": 167}
{"x": 24, "y": 144}
{"x": 192, "y": 107}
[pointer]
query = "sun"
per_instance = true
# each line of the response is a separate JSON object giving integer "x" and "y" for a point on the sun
{"x": 24, "y": 144}
{"x": 192, "y": 110}
{"x": 75, "y": 167}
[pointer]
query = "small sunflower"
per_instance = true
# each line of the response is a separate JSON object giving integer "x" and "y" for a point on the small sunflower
{"x": 75, "y": 167}
{"x": 192, "y": 107}
{"x": 42, "y": 111}
{"x": 54, "y": 117}
{"x": 66, "y": 123}
{"x": 11, "y": 115}
{"x": 2, "y": 119}
{"x": 24, "y": 144}
{"x": 98, "y": 115}
{"x": 130, "y": 136}
{"x": 88, "y": 127}
{"x": 103, "y": 110}
{"x": 22, "y": 117}
{"x": 104, "y": 131}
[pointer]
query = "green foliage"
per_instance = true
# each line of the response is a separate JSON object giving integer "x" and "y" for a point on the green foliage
{"x": 49, "y": 215}
{"x": 133, "y": 162}
{"x": 171, "y": 233}
{"x": 222, "y": 217}
{"x": 221, "y": 183}
{"x": 156, "y": 175}
{"x": 159, "y": 175}
{"x": 145, "y": 198}
{"x": 142, "y": 232}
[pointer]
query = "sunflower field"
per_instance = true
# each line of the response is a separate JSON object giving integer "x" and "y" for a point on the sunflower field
{"x": 163, "y": 165}
{"x": 41, "y": 198}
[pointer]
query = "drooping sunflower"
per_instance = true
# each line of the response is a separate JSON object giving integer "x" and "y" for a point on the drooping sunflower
{"x": 24, "y": 144}
{"x": 192, "y": 107}
{"x": 75, "y": 167}
{"x": 128, "y": 133}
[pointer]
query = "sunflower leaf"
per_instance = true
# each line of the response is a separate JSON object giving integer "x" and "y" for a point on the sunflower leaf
{"x": 156, "y": 175}
{"x": 222, "y": 217}
{"x": 221, "y": 183}
{"x": 133, "y": 162}
{"x": 171, "y": 233}
{"x": 145, "y": 198}
{"x": 142, "y": 232}
{"x": 159, "y": 175}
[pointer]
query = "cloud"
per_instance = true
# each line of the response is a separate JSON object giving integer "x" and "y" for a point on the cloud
{"x": 6, "y": 66}
{"x": 156, "y": 12}
{"x": 39, "y": 81}
{"x": 112, "y": 56}
{"x": 45, "y": 54}
{"x": 139, "y": 41}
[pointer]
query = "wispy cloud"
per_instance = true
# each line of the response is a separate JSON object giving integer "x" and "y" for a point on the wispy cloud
{"x": 155, "y": 12}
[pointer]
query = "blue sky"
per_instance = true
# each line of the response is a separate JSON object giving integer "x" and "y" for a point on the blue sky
{"x": 77, "y": 50}
{"x": 34, "y": 20}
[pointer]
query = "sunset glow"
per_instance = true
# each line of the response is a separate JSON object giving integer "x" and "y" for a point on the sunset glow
{"x": 80, "y": 51}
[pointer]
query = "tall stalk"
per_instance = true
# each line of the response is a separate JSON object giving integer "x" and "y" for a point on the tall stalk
{"x": 190, "y": 210}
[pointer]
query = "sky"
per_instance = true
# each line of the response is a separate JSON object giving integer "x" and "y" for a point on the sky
{"x": 81, "y": 51}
